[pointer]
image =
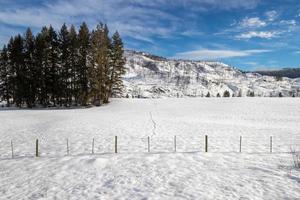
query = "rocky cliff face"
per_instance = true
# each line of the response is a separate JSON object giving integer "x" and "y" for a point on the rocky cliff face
{"x": 150, "y": 76}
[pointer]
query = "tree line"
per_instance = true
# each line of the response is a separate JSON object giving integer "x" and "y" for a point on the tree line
{"x": 285, "y": 72}
{"x": 62, "y": 68}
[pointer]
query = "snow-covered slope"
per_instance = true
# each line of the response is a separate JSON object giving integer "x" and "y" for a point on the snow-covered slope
{"x": 153, "y": 76}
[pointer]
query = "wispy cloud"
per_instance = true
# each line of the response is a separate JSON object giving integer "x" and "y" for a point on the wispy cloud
{"x": 254, "y": 22}
{"x": 217, "y": 54}
{"x": 130, "y": 18}
{"x": 272, "y": 15}
{"x": 140, "y": 19}
{"x": 289, "y": 25}
{"x": 258, "y": 34}
{"x": 271, "y": 26}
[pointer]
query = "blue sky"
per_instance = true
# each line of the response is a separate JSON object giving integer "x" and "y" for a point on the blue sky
{"x": 248, "y": 34}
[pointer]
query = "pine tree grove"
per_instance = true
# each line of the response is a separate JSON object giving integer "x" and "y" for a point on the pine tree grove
{"x": 62, "y": 68}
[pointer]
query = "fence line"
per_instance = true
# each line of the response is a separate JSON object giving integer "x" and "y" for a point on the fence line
{"x": 68, "y": 151}
{"x": 271, "y": 144}
{"x": 148, "y": 144}
{"x": 206, "y": 143}
{"x": 37, "y": 148}
{"x": 93, "y": 144}
{"x": 116, "y": 144}
{"x": 175, "y": 145}
{"x": 12, "y": 149}
{"x": 240, "y": 144}
{"x": 210, "y": 145}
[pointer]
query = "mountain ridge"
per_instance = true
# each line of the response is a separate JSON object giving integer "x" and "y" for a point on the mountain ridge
{"x": 150, "y": 76}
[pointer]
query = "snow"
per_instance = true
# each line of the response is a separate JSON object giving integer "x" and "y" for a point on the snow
{"x": 133, "y": 173}
{"x": 151, "y": 77}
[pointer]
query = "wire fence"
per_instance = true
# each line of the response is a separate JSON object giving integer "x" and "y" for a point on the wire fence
{"x": 173, "y": 144}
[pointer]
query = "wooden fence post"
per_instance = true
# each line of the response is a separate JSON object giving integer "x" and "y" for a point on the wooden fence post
{"x": 175, "y": 147}
{"x": 271, "y": 144}
{"x": 240, "y": 144}
{"x": 93, "y": 144}
{"x": 116, "y": 144}
{"x": 37, "y": 148}
{"x": 68, "y": 151}
{"x": 12, "y": 149}
{"x": 206, "y": 143}
{"x": 148, "y": 144}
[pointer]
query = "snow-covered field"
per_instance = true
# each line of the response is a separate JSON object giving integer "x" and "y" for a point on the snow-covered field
{"x": 133, "y": 173}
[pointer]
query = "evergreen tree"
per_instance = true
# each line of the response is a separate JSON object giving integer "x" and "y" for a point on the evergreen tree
{"x": 30, "y": 75}
{"x": 5, "y": 93}
{"x": 208, "y": 94}
{"x": 118, "y": 62}
{"x": 41, "y": 54}
{"x": 84, "y": 45}
{"x": 52, "y": 80}
{"x": 218, "y": 95}
{"x": 226, "y": 94}
{"x": 65, "y": 65}
{"x": 107, "y": 63}
{"x": 99, "y": 70}
{"x": 278, "y": 78}
{"x": 19, "y": 71}
{"x": 250, "y": 94}
{"x": 74, "y": 71}
{"x": 11, "y": 72}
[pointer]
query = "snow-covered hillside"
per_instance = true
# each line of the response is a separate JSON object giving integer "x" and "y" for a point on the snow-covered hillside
{"x": 153, "y": 76}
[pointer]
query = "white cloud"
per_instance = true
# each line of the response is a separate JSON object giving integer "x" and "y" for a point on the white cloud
{"x": 253, "y": 22}
{"x": 191, "y": 33}
{"x": 217, "y": 54}
{"x": 272, "y": 15}
{"x": 288, "y": 22}
{"x": 124, "y": 16}
{"x": 255, "y": 51}
{"x": 251, "y": 63}
{"x": 267, "y": 27}
{"x": 200, "y": 4}
{"x": 140, "y": 19}
{"x": 258, "y": 34}
{"x": 130, "y": 11}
